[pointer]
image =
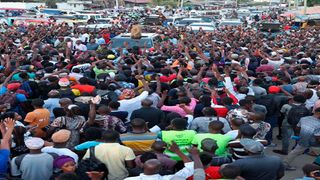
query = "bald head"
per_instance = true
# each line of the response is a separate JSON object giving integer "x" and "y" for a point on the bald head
{"x": 54, "y": 94}
{"x": 159, "y": 146}
{"x": 146, "y": 103}
{"x": 151, "y": 167}
{"x": 64, "y": 102}
{"x": 138, "y": 124}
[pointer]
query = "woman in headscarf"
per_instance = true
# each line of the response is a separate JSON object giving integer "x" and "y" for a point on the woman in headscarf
{"x": 65, "y": 164}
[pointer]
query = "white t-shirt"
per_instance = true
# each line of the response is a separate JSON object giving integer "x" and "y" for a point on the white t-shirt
{"x": 74, "y": 40}
{"x": 77, "y": 76}
{"x": 82, "y": 67}
{"x": 130, "y": 105}
{"x": 80, "y": 47}
{"x": 85, "y": 37}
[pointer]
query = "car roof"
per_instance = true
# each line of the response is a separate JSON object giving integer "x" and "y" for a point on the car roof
{"x": 190, "y": 19}
{"x": 143, "y": 35}
{"x": 201, "y": 23}
{"x": 231, "y": 20}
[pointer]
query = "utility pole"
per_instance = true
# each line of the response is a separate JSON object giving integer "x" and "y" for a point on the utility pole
{"x": 305, "y": 7}
{"x": 181, "y": 4}
{"x": 117, "y": 4}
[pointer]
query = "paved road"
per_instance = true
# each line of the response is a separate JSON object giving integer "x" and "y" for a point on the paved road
{"x": 299, "y": 162}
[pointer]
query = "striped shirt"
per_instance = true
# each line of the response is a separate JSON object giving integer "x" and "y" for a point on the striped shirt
{"x": 138, "y": 142}
{"x": 238, "y": 151}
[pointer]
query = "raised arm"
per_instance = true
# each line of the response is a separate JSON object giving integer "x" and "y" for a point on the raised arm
{"x": 9, "y": 124}
{"x": 92, "y": 114}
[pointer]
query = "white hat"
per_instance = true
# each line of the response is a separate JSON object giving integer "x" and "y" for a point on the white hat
{"x": 273, "y": 53}
{"x": 234, "y": 56}
{"x": 34, "y": 143}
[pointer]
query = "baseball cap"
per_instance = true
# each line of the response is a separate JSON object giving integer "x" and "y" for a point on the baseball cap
{"x": 251, "y": 145}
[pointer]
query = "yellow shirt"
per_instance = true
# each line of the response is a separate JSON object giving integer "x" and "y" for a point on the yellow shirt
{"x": 113, "y": 155}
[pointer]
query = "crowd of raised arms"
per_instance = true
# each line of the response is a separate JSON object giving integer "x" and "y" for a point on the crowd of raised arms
{"x": 201, "y": 106}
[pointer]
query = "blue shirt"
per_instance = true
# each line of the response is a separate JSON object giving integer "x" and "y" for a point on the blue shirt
{"x": 50, "y": 104}
{"x": 86, "y": 145}
{"x": 4, "y": 159}
{"x": 92, "y": 46}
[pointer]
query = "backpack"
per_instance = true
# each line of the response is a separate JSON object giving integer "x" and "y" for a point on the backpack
{"x": 296, "y": 113}
{"x": 91, "y": 164}
{"x": 9, "y": 98}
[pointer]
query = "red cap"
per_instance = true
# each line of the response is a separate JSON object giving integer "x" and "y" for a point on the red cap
{"x": 274, "y": 89}
{"x": 13, "y": 86}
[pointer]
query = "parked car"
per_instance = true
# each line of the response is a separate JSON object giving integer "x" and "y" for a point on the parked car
{"x": 230, "y": 22}
{"x": 204, "y": 26}
{"x": 187, "y": 21}
{"x": 147, "y": 39}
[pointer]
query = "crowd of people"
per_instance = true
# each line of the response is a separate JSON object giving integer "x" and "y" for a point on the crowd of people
{"x": 197, "y": 105}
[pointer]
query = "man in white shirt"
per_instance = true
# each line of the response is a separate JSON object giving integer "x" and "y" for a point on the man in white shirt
{"x": 84, "y": 37}
{"x": 60, "y": 139}
{"x": 152, "y": 167}
{"x": 79, "y": 46}
{"x": 131, "y": 103}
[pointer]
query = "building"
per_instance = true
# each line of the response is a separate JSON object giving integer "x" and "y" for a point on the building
{"x": 138, "y": 2}
{"x": 20, "y": 5}
{"x": 74, "y": 5}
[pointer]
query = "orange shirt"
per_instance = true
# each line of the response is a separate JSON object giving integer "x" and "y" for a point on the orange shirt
{"x": 40, "y": 118}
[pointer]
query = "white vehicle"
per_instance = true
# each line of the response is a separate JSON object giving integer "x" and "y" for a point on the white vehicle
{"x": 172, "y": 20}
{"x": 230, "y": 22}
{"x": 259, "y": 13}
{"x": 96, "y": 26}
{"x": 204, "y": 26}
{"x": 243, "y": 11}
{"x": 194, "y": 13}
{"x": 88, "y": 16}
{"x": 187, "y": 21}
{"x": 147, "y": 39}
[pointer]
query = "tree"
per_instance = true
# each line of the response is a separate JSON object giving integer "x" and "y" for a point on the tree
{"x": 313, "y": 2}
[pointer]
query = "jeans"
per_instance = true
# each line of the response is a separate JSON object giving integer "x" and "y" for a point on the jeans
{"x": 287, "y": 132}
{"x": 298, "y": 150}
{"x": 272, "y": 120}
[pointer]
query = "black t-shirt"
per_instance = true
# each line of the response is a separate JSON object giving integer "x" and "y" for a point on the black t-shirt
{"x": 151, "y": 115}
{"x": 260, "y": 167}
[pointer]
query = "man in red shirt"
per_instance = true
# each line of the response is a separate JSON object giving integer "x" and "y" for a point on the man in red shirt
{"x": 84, "y": 86}
{"x": 166, "y": 77}
{"x": 264, "y": 67}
